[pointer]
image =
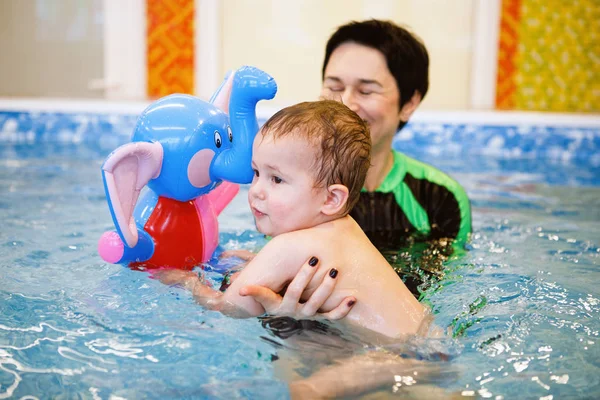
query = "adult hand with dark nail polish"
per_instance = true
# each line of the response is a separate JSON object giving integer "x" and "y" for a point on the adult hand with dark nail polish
{"x": 289, "y": 304}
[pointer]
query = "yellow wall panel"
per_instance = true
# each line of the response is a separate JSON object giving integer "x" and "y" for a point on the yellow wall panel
{"x": 556, "y": 62}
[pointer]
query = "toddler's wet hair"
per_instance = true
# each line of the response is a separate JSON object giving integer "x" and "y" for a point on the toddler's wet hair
{"x": 340, "y": 135}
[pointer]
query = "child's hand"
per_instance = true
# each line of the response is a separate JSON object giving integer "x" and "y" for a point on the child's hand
{"x": 289, "y": 304}
{"x": 244, "y": 255}
{"x": 177, "y": 277}
{"x": 202, "y": 291}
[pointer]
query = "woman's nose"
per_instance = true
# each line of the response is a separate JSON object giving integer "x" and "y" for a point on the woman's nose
{"x": 349, "y": 99}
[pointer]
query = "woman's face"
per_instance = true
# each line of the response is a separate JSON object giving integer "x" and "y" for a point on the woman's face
{"x": 358, "y": 76}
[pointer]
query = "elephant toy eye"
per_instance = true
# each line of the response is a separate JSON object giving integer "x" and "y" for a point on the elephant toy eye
{"x": 230, "y": 134}
{"x": 218, "y": 141}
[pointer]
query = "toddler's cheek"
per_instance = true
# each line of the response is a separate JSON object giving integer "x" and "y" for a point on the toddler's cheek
{"x": 279, "y": 208}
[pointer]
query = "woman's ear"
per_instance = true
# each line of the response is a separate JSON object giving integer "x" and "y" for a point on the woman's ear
{"x": 337, "y": 197}
{"x": 409, "y": 108}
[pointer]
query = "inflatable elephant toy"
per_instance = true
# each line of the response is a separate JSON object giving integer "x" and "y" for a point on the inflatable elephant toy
{"x": 191, "y": 156}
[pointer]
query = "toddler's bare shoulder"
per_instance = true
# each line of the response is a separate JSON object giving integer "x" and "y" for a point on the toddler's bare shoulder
{"x": 289, "y": 240}
{"x": 303, "y": 241}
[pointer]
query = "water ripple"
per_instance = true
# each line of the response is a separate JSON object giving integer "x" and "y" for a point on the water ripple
{"x": 123, "y": 349}
{"x": 74, "y": 355}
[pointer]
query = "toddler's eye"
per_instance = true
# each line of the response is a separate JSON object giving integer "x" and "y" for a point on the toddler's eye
{"x": 277, "y": 180}
{"x": 255, "y": 172}
{"x": 365, "y": 92}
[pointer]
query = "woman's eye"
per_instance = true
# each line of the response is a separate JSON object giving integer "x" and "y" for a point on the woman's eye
{"x": 365, "y": 92}
{"x": 277, "y": 180}
{"x": 336, "y": 89}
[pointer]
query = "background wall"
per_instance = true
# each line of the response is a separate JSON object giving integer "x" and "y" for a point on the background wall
{"x": 546, "y": 57}
{"x": 51, "y": 48}
{"x": 291, "y": 36}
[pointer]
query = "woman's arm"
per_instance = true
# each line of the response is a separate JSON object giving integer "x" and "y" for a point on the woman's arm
{"x": 364, "y": 373}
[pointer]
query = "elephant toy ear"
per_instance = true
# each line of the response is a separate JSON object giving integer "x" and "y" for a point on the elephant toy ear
{"x": 221, "y": 97}
{"x": 125, "y": 172}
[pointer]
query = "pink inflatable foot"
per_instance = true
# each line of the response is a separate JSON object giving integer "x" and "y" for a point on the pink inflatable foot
{"x": 110, "y": 247}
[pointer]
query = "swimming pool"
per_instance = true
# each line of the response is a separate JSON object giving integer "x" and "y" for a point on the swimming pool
{"x": 523, "y": 303}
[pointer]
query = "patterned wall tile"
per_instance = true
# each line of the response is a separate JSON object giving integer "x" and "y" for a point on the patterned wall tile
{"x": 170, "y": 41}
{"x": 509, "y": 40}
{"x": 549, "y": 56}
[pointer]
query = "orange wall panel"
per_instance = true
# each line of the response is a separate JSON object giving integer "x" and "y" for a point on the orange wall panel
{"x": 507, "y": 53}
{"x": 170, "y": 41}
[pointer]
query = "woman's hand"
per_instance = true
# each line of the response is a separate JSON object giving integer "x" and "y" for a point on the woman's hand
{"x": 289, "y": 304}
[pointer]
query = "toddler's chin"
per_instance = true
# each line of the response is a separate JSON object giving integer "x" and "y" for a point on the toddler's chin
{"x": 262, "y": 231}
{"x": 267, "y": 232}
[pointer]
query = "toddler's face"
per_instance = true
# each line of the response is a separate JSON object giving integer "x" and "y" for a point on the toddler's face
{"x": 282, "y": 196}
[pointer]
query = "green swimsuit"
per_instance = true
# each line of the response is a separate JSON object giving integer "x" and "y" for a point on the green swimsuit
{"x": 416, "y": 200}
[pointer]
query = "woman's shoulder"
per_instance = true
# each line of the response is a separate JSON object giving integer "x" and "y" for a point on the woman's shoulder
{"x": 423, "y": 170}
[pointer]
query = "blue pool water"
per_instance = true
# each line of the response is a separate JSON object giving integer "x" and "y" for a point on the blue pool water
{"x": 523, "y": 303}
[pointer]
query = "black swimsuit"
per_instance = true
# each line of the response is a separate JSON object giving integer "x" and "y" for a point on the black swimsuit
{"x": 415, "y": 201}
{"x": 411, "y": 216}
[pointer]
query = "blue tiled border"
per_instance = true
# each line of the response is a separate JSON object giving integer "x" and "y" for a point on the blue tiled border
{"x": 20, "y": 127}
{"x": 566, "y": 143}
{"x": 104, "y": 132}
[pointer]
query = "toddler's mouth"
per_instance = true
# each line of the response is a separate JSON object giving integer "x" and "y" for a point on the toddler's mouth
{"x": 256, "y": 212}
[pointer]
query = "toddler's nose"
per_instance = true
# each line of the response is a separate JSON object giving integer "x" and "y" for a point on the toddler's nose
{"x": 255, "y": 191}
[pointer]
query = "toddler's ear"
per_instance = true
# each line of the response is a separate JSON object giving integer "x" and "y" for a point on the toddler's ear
{"x": 337, "y": 196}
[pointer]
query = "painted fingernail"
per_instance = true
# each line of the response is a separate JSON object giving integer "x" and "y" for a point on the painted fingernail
{"x": 333, "y": 273}
{"x": 313, "y": 261}
{"x": 351, "y": 303}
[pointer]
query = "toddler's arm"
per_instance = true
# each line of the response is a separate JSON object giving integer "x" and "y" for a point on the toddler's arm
{"x": 244, "y": 255}
{"x": 269, "y": 269}
{"x": 273, "y": 267}
{"x": 204, "y": 294}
